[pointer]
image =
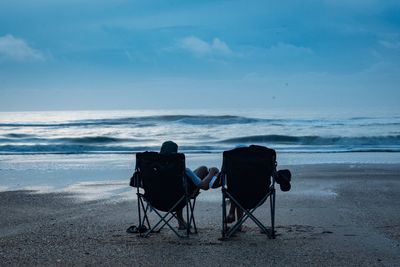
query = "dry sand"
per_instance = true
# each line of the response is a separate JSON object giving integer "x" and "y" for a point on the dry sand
{"x": 335, "y": 215}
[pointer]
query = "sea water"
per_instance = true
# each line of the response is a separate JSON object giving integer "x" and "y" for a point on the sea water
{"x": 196, "y": 131}
{"x": 87, "y": 146}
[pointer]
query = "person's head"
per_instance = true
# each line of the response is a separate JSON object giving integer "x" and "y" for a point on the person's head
{"x": 169, "y": 147}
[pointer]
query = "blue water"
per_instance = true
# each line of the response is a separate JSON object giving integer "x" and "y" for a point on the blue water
{"x": 92, "y": 152}
{"x": 196, "y": 131}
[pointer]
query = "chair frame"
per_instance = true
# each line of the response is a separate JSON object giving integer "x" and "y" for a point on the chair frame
{"x": 144, "y": 206}
{"x": 248, "y": 213}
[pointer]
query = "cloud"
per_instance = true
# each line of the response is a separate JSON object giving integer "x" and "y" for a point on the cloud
{"x": 289, "y": 50}
{"x": 17, "y": 49}
{"x": 352, "y": 3}
{"x": 200, "y": 47}
{"x": 390, "y": 45}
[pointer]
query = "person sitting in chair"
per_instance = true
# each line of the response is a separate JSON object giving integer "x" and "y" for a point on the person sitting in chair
{"x": 283, "y": 178}
{"x": 201, "y": 177}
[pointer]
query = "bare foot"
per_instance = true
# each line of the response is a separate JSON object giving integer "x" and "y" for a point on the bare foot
{"x": 239, "y": 213}
{"x": 182, "y": 226}
{"x": 230, "y": 218}
{"x": 205, "y": 183}
{"x": 181, "y": 221}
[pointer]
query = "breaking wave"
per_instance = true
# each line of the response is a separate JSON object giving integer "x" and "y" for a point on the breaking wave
{"x": 316, "y": 140}
{"x": 199, "y": 134}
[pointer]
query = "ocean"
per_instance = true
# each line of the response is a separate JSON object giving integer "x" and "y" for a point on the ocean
{"x": 196, "y": 131}
{"x": 92, "y": 153}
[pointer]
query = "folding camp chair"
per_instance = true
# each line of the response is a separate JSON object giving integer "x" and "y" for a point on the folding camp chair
{"x": 246, "y": 181}
{"x": 166, "y": 190}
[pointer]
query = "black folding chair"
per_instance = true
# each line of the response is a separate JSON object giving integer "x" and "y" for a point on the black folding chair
{"x": 166, "y": 190}
{"x": 246, "y": 181}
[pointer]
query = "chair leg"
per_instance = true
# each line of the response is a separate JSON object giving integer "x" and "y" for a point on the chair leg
{"x": 272, "y": 203}
{"x": 142, "y": 217}
{"x": 165, "y": 219}
{"x": 187, "y": 216}
{"x": 192, "y": 220}
{"x": 145, "y": 217}
{"x": 139, "y": 207}
{"x": 247, "y": 214}
{"x": 166, "y": 222}
{"x": 224, "y": 223}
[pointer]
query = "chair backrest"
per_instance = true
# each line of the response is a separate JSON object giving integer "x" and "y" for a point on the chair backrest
{"x": 163, "y": 178}
{"x": 248, "y": 173}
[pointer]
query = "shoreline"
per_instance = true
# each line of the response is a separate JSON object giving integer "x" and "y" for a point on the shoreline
{"x": 335, "y": 215}
{"x": 60, "y": 175}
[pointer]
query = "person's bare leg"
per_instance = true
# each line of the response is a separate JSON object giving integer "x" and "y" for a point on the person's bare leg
{"x": 205, "y": 183}
{"x": 239, "y": 213}
{"x": 231, "y": 215}
{"x": 201, "y": 172}
{"x": 181, "y": 221}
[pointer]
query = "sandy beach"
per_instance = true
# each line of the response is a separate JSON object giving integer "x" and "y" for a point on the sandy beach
{"x": 335, "y": 215}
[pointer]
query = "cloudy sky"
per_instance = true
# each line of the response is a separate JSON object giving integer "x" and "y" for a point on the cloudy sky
{"x": 98, "y": 54}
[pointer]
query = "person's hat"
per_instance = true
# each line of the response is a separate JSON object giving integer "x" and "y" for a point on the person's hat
{"x": 169, "y": 147}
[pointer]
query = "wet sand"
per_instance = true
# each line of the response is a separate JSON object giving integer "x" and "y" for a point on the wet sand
{"x": 335, "y": 215}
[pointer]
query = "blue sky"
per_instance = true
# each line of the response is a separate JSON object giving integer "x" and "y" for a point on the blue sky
{"x": 70, "y": 54}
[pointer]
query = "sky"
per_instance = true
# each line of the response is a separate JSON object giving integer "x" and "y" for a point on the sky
{"x": 143, "y": 54}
